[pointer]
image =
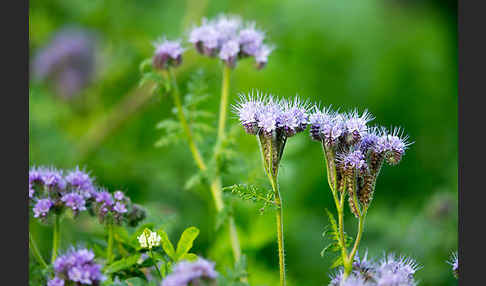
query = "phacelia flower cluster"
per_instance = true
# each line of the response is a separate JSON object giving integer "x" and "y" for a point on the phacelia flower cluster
{"x": 76, "y": 267}
{"x": 187, "y": 273}
{"x": 68, "y": 61}
{"x": 149, "y": 239}
{"x": 454, "y": 262}
{"x": 389, "y": 271}
{"x": 355, "y": 152}
{"x": 167, "y": 54}
{"x": 54, "y": 191}
{"x": 265, "y": 114}
{"x": 228, "y": 38}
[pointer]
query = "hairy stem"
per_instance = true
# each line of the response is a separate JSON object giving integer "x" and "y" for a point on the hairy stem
{"x": 35, "y": 251}
{"x": 56, "y": 237}
{"x": 359, "y": 235}
{"x": 279, "y": 215}
{"x": 109, "y": 249}
{"x": 185, "y": 125}
{"x": 223, "y": 106}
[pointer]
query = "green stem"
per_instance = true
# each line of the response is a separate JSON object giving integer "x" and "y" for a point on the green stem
{"x": 35, "y": 251}
{"x": 155, "y": 264}
{"x": 279, "y": 214}
{"x": 359, "y": 235}
{"x": 56, "y": 237}
{"x": 223, "y": 103}
{"x": 109, "y": 249}
{"x": 185, "y": 125}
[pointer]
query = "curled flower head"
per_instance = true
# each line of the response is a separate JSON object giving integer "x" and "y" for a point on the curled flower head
{"x": 247, "y": 109}
{"x": 454, "y": 262}
{"x": 53, "y": 178}
{"x": 167, "y": 54}
{"x": 317, "y": 120}
{"x": 188, "y": 273}
{"x": 352, "y": 160}
{"x": 149, "y": 239}
{"x": 356, "y": 125}
{"x": 393, "y": 145}
{"x": 78, "y": 266}
{"x": 293, "y": 117}
{"x": 230, "y": 39}
{"x": 74, "y": 201}
{"x": 369, "y": 140}
{"x": 80, "y": 181}
{"x": 42, "y": 207}
{"x": 333, "y": 129}
{"x": 120, "y": 208}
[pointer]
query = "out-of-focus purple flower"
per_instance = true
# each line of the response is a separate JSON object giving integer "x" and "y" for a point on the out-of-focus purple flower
{"x": 78, "y": 266}
{"x": 104, "y": 198}
{"x": 42, "y": 207}
{"x": 35, "y": 175}
{"x": 56, "y": 281}
{"x": 68, "y": 61}
{"x": 352, "y": 160}
{"x": 186, "y": 272}
{"x": 74, "y": 201}
{"x": 53, "y": 178}
{"x": 230, "y": 39}
{"x": 31, "y": 191}
{"x": 167, "y": 54}
{"x": 333, "y": 129}
{"x": 81, "y": 181}
{"x": 119, "y": 196}
{"x": 120, "y": 208}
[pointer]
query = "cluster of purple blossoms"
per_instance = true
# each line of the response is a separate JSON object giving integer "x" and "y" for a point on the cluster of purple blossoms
{"x": 191, "y": 273}
{"x": 389, "y": 271}
{"x": 52, "y": 191}
{"x": 76, "y": 267}
{"x": 167, "y": 54}
{"x": 68, "y": 61}
{"x": 355, "y": 152}
{"x": 264, "y": 115}
{"x": 230, "y": 39}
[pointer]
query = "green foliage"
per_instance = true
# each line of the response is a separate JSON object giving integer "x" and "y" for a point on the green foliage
{"x": 335, "y": 245}
{"x": 254, "y": 194}
{"x": 235, "y": 276}
{"x": 123, "y": 263}
{"x": 184, "y": 244}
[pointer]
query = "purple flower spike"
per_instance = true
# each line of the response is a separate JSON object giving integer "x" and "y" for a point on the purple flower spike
{"x": 393, "y": 145}
{"x": 104, "y": 198}
{"x": 78, "y": 266}
{"x": 35, "y": 175}
{"x": 356, "y": 125}
{"x": 74, "y": 201}
{"x": 294, "y": 116}
{"x": 186, "y": 272}
{"x": 55, "y": 282}
{"x": 42, "y": 207}
{"x": 247, "y": 110}
{"x": 81, "y": 181}
{"x": 167, "y": 54}
{"x": 120, "y": 208}
{"x": 119, "y": 196}
{"x": 352, "y": 160}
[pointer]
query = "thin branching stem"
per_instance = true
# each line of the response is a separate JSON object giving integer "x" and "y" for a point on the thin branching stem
{"x": 56, "y": 237}
{"x": 109, "y": 249}
{"x": 35, "y": 251}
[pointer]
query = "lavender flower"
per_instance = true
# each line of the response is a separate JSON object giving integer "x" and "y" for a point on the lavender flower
{"x": 230, "y": 39}
{"x": 104, "y": 198}
{"x": 352, "y": 160}
{"x": 317, "y": 120}
{"x": 81, "y": 181}
{"x": 119, "y": 196}
{"x": 55, "y": 282}
{"x": 77, "y": 266}
{"x": 294, "y": 116}
{"x": 53, "y": 178}
{"x": 356, "y": 126}
{"x": 74, "y": 201}
{"x": 31, "y": 191}
{"x": 120, "y": 208}
{"x": 454, "y": 262}
{"x": 68, "y": 61}
{"x": 35, "y": 175}
{"x": 167, "y": 54}
{"x": 42, "y": 207}
{"x": 188, "y": 273}
{"x": 393, "y": 145}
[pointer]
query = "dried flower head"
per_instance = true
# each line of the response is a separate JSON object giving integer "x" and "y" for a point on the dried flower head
{"x": 167, "y": 54}
{"x": 149, "y": 239}
{"x": 191, "y": 273}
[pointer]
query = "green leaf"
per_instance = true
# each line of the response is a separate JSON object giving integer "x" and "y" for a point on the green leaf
{"x": 186, "y": 241}
{"x": 166, "y": 244}
{"x": 123, "y": 263}
{"x": 189, "y": 257}
{"x": 145, "y": 65}
{"x": 337, "y": 262}
{"x": 135, "y": 281}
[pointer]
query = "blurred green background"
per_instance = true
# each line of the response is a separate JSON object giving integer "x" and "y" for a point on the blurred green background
{"x": 395, "y": 58}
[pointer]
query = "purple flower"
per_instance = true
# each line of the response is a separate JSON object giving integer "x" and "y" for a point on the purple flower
{"x": 294, "y": 116}
{"x": 68, "y": 60}
{"x": 396, "y": 271}
{"x": 120, "y": 208}
{"x": 369, "y": 140}
{"x": 247, "y": 109}
{"x": 104, "y": 198}
{"x": 261, "y": 55}
{"x": 78, "y": 266}
{"x": 356, "y": 125}
{"x": 55, "y": 282}
{"x": 81, "y": 181}
{"x": 42, "y": 207}
{"x": 353, "y": 160}
{"x": 74, "y": 201}
{"x": 251, "y": 40}
{"x": 35, "y": 175}
{"x": 205, "y": 38}
{"x": 186, "y": 272}
{"x": 119, "y": 196}
{"x": 454, "y": 262}
{"x": 393, "y": 145}
{"x": 53, "y": 178}
{"x": 167, "y": 53}
{"x": 269, "y": 114}
{"x": 31, "y": 191}
{"x": 317, "y": 120}
{"x": 333, "y": 129}
{"x": 229, "y": 52}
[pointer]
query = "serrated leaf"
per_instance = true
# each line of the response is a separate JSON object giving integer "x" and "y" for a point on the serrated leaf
{"x": 325, "y": 249}
{"x": 186, "y": 241}
{"x": 123, "y": 263}
{"x": 166, "y": 244}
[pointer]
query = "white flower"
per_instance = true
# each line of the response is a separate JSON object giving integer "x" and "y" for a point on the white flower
{"x": 149, "y": 239}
